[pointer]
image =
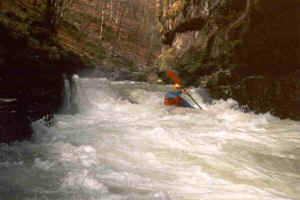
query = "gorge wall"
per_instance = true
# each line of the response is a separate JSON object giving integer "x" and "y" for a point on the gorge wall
{"x": 43, "y": 43}
{"x": 247, "y": 50}
{"x": 32, "y": 80}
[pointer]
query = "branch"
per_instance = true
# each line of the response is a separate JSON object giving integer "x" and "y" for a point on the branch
{"x": 239, "y": 21}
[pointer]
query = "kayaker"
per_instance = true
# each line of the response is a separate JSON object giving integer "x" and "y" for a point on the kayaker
{"x": 174, "y": 98}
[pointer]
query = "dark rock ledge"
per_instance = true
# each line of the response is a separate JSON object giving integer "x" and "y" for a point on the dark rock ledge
{"x": 280, "y": 96}
{"x": 25, "y": 98}
{"x": 31, "y": 82}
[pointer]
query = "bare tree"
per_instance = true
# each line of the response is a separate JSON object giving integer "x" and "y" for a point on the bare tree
{"x": 100, "y": 15}
{"x": 111, "y": 11}
{"x": 55, "y": 11}
{"x": 165, "y": 11}
{"x": 158, "y": 8}
{"x": 120, "y": 19}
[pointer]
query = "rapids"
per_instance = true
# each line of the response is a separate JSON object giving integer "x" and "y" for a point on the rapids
{"x": 123, "y": 144}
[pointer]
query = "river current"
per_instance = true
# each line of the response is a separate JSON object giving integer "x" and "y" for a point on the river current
{"x": 123, "y": 144}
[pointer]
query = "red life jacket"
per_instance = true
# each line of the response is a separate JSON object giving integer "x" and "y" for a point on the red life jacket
{"x": 173, "y": 102}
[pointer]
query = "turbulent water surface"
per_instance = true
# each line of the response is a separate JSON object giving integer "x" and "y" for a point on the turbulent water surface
{"x": 125, "y": 145}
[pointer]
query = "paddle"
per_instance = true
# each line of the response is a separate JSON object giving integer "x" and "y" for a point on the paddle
{"x": 177, "y": 80}
{"x": 193, "y": 99}
{"x": 173, "y": 76}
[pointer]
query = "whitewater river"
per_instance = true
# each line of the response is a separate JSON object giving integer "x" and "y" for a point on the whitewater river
{"x": 125, "y": 145}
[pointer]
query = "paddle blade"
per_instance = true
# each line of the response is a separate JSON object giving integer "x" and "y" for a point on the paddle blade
{"x": 173, "y": 76}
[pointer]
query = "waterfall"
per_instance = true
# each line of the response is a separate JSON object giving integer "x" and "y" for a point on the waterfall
{"x": 69, "y": 96}
{"x": 67, "y": 93}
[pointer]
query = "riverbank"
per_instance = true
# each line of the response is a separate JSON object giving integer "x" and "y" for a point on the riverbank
{"x": 33, "y": 69}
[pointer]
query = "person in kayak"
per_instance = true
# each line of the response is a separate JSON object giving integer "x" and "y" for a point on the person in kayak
{"x": 174, "y": 97}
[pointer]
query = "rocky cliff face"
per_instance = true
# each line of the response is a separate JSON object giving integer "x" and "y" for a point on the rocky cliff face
{"x": 242, "y": 49}
{"x": 207, "y": 23}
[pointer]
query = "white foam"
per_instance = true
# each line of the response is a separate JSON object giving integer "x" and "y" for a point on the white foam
{"x": 124, "y": 144}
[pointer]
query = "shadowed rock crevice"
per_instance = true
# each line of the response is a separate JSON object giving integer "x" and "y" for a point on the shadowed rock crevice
{"x": 192, "y": 25}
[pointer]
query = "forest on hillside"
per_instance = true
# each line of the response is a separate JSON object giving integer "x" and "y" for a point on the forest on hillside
{"x": 93, "y": 27}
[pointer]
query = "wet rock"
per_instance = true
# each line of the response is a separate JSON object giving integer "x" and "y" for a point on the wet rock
{"x": 261, "y": 94}
{"x": 14, "y": 127}
{"x": 24, "y": 99}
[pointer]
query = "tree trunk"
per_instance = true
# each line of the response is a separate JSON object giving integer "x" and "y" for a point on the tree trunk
{"x": 150, "y": 49}
{"x": 55, "y": 11}
{"x": 102, "y": 20}
{"x": 111, "y": 11}
{"x": 158, "y": 8}
{"x": 121, "y": 13}
{"x": 165, "y": 12}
